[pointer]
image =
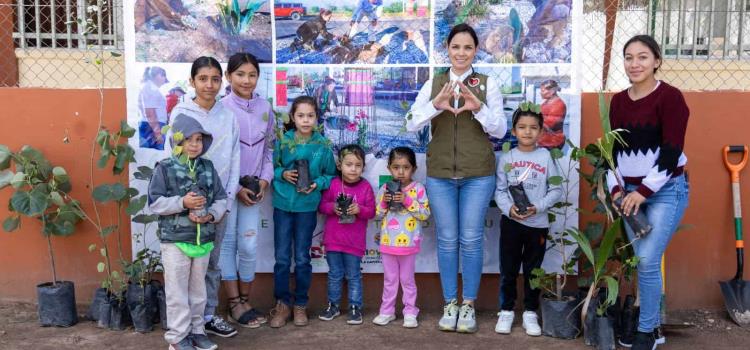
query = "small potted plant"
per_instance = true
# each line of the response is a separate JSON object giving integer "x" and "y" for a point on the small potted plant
{"x": 40, "y": 192}
{"x": 142, "y": 289}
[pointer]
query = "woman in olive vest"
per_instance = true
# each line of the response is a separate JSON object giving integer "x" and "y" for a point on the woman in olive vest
{"x": 462, "y": 108}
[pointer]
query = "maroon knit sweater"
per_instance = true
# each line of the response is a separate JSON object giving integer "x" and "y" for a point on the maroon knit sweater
{"x": 656, "y": 127}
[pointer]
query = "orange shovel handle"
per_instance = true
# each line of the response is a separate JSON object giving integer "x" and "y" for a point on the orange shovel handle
{"x": 734, "y": 169}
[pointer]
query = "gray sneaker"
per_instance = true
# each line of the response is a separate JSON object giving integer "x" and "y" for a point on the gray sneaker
{"x": 201, "y": 342}
{"x": 184, "y": 344}
{"x": 450, "y": 317}
{"x": 467, "y": 322}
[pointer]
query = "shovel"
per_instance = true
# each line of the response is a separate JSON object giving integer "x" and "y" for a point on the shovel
{"x": 737, "y": 291}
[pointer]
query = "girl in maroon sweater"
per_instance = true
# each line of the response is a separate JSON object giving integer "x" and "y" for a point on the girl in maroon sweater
{"x": 651, "y": 167}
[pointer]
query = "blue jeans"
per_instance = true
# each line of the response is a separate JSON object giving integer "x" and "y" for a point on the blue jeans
{"x": 459, "y": 207}
{"x": 292, "y": 230}
{"x": 238, "y": 249}
{"x": 664, "y": 210}
{"x": 341, "y": 265}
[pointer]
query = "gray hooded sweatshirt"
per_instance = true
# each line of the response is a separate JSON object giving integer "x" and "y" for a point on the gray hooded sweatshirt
{"x": 173, "y": 179}
{"x": 225, "y": 150}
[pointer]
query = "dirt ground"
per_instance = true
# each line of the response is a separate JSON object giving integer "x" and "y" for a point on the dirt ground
{"x": 19, "y": 330}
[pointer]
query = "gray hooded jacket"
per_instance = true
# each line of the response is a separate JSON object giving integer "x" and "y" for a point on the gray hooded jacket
{"x": 172, "y": 180}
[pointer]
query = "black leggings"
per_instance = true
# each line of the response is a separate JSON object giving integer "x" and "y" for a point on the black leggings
{"x": 520, "y": 245}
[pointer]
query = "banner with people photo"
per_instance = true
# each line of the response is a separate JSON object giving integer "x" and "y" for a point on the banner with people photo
{"x": 363, "y": 61}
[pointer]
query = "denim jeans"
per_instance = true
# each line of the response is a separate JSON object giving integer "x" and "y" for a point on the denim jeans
{"x": 664, "y": 210}
{"x": 340, "y": 266}
{"x": 213, "y": 273}
{"x": 240, "y": 243}
{"x": 292, "y": 232}
{"x": 459, "y": 207}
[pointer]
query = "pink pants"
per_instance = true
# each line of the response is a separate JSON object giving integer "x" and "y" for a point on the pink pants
{"x": 399, "y": 268}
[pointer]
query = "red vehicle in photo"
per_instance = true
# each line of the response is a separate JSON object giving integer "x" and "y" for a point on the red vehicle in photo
{"x": 289, "y": 9}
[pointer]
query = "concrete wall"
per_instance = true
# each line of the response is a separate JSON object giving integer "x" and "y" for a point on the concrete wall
{"x": 696, "y": 260}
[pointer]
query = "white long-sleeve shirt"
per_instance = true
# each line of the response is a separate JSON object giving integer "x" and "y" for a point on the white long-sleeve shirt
{"x": 490, "y": 115}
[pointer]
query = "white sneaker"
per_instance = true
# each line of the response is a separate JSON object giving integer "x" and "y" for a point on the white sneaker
{"x": 504, "y": 322}
{"x": 450, "y": 317}
{"x": 531, "y": 324}
{"x": 382, "y": 320}
{"x": 467, "y": 321}
{"x": 410, "y": 321}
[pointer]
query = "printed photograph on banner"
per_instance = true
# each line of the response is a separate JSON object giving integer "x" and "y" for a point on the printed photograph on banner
{"x": 352, "y": 31}
{"x": 181, "y": 30}
{"x": 162, "y": 87}
{"x": 515, "y": 31}
{"x": 365, "y": 106}
{"x": 546, "y": 86}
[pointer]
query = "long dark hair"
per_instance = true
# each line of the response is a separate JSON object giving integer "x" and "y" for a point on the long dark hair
{"x": 202, "y": 62}
{"x": 240, "y": 58}
{"x": 647, "y": 40}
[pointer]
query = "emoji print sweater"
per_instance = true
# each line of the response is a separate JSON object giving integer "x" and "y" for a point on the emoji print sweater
{"x": 401, "y": 231}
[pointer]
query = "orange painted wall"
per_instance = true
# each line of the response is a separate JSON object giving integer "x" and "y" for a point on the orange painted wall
{"x": 43, "y": 118}
{"x": 696, "y": 260}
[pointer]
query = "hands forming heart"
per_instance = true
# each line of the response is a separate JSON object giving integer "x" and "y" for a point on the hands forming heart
{"x": 447, "y": 95}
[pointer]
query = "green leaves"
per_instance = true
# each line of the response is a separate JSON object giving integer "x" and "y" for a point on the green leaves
{"x": 11, "y": 223}
{"x": 109, "y": 192}
{"x": 506, "y": 147}
{"x": 124, "y": 154}
{"x": 145, "y": 219}
{"x": 5, "y": 157}
{"x": 29, "y": 203}
{"x": 125, "y": 130}
{"x": 6, "y": 176}
{"x": 136, "y": 205}
{"x": 555, "y": 180}
{"x": 144, "y": 173}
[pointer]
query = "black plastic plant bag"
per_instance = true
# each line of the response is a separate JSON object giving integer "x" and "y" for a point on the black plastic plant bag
{"x": 638, "y": 222}
{"x": 519, "y": 197}
{"x": 252, "y": 183}
{"x": 561, "y": 318}
{"x": 57, "y": 304}
{"x": 393, "y": 187}
{"x": 100, "y": 297}
{"x": 303, "y": 174}
{"x": 140, "y": 300}
{"x": 343, "y": 202}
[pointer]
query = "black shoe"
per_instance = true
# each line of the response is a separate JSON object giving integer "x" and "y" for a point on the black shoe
{"x": 644, "y": 341}
{"x": 217, "y": 326}
{"x": 355, "y": 315}
{"x": 330, "y": 312}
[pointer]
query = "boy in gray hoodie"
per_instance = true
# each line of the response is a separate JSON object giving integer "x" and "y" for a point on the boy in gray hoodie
{"x": 524, "y": 193}
{"x": 187, "y": 194}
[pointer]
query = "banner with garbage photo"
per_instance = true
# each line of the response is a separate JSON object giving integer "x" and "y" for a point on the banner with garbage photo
{"x": 364, "y": 61}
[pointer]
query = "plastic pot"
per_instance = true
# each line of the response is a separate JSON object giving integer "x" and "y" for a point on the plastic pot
{"x": 140, "y": 301}
{"x": 303, "y": 174}
{"x": 119, "y": 319}
{"x": 561, "y": 318}
{"x": 605, "y": 333}
{"x": 57, "y": 304}
{"x": 100, "y": 297}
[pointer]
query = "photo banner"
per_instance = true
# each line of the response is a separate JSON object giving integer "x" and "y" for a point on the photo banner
{"x": 364, "y": 61}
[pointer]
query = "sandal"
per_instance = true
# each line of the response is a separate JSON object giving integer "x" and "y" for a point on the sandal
{"x": 255, "y": 313}
{"x": 234, "y": 303}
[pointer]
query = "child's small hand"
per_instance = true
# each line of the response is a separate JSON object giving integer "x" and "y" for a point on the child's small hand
{"x": 200, "y": 219}
{"x": 193, "y": 201}
{"x": 353, "y": 209}
{"x": 514, "y": 213}
{"x": 310, "y": 189}
{"x": 290, "y": 175}
{"x": 387, "y": 198}
{"x": 337, "y": 211}
{"x": 530, "y": 211}
{"x": 398, "y": 197}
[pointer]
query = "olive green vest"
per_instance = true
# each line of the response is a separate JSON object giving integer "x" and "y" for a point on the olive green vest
{"x": 459, "y": 146}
